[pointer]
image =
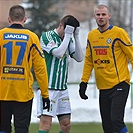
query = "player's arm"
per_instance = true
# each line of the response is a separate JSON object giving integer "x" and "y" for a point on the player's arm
{"x": 40, "y": 69}
{"x": 126, "y": 45}
{"x": 78, "y": 54}
{"x": 87, "y": 69}
{"x": 60, "y": 51}
{"x": 88, "y": 64}
{"x": 50, "y": 46}
{"x": 41, "y": 73}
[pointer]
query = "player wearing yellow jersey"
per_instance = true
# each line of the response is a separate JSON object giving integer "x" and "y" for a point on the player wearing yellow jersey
{"x": 108, "y": 50}
{"x": 20, "y": 50}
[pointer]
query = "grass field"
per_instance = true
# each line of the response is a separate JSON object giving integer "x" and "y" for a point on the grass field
{"x": 78, "y": 128}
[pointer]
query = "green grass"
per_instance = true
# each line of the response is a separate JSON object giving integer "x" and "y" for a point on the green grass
{"x": 77, "y": 128}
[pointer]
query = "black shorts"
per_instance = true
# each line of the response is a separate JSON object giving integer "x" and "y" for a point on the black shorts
{"x": 112, "y": 107}
{"x": 21, "y": 112}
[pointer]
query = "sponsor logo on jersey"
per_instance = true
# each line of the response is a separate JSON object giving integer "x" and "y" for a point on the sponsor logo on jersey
{"x": 108, "y": 40}
{"x": 101, "y": 67}
{"x": 13, "y": 70}
{"x": 11, "y": 78}
{"x": 98, "y": 61}
{"x": 101, "y": 37}
{"x": 119, "y": 89}
{"x": 10, "y": 36}
{"x": 101, "y": 51}
{"x": 95, "y": 41}
{"x": 101, "y": 47}
{"x": 65, "y": 99}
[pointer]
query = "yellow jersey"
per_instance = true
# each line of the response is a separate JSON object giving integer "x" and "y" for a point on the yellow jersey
{"x": 20, "y": 51}
{"x": 108, "y": 53}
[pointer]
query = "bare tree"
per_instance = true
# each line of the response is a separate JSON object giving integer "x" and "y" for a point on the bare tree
{"x": 121, "y": 14}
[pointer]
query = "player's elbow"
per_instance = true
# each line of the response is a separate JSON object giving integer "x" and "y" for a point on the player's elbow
{"x": 59, "y": 55}
{"x": 79, "y": 60}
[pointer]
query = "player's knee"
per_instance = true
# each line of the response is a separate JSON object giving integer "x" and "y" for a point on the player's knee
{"x": 66, "y": 128}
{"x": 115, "y": 120}
{"x": 65, "y": 123}
{"x": 45, "y": 125}
{"x": 116, "y": 124}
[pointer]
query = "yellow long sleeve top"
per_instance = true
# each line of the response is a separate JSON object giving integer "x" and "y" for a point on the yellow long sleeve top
{"x": 20, "y": 50}
{"x": 108, "y": 53}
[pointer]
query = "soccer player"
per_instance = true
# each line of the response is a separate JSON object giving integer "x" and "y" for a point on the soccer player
{"x": 108, "y": 51}
{"x": 20, "y": 50}
{"x": 57, "y": 46}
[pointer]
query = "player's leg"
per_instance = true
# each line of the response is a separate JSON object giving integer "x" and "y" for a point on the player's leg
{"x": 119, "y": 98}
{"x": 65, "y": 124}
{"x": 44, "y": 115}
{"x": 105, "y": 110}
{"x": 22, "y": 116}
{"x": 45, "y": 124}
{"x": 64, "y": 112}
{"x": 5, "y": 116}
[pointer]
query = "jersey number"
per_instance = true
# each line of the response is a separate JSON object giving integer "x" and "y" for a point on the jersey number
{"x": 9, "y": 48}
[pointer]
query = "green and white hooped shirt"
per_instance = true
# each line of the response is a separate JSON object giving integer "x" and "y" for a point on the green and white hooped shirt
{"x": 57, "y": 68}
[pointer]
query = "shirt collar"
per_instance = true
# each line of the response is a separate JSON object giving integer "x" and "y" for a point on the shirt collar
{"x": 17, "y": 26}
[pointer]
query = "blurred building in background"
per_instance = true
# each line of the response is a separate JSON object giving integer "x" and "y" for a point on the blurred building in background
{"x": 83, "y": 9}
{"x": 4, "y": 9}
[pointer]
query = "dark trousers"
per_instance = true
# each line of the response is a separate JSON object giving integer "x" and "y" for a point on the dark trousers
{"x": 112, "y": 107}
{"x": 21, "y": 112}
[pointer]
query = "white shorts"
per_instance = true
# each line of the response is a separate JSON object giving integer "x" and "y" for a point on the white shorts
{"x": 59, "y": 103}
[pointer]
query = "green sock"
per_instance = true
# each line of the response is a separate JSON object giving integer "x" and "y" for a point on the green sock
{"x": 60, "y": 132}
{"x": 42, "y": 131}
